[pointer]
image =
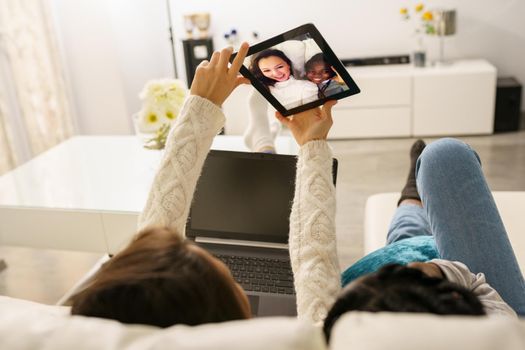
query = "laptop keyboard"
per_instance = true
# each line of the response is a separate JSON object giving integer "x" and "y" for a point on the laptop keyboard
{"x": 261, "y": 274}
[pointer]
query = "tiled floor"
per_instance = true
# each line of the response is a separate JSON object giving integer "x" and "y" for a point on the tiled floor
{"x": 372, "y": 166}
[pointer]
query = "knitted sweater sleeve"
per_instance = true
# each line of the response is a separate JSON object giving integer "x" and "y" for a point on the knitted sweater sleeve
{"x": 187, "y": 146}
{"x": 312, "y": 233}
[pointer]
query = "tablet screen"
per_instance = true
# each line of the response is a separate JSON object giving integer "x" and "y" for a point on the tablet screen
{"x": 297, "y": 70}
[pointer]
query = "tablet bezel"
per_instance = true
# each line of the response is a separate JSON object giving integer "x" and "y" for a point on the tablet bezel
{"x": 308, "y": 28}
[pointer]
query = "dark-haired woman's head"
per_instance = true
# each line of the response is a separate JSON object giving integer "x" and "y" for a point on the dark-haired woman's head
{"x": 271, "y": 66}
{"x": 397, "y": 288}
{"x": 162, "y": 280}
{"x": 318, "y": 69}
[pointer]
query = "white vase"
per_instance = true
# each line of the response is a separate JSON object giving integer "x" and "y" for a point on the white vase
{"x": 142, "y": 136}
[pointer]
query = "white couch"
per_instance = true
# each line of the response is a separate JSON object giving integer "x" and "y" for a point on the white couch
{"x": 26, "y": 325}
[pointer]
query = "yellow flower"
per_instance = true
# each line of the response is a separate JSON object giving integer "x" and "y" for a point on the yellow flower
{"x": 419, "y": 7}
{"x": 170, "y": 115}
{"x": 152, "y": 118}
{"x": 403, "y": 11}
{"x": 427, "y": 16}
{"x": 162, "y": 100}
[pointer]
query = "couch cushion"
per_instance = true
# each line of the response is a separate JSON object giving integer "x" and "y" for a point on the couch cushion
{"x": 381, "y": 331}
{"x": 27, "y": 325}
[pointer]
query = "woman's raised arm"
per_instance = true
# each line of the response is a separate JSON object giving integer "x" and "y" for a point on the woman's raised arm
{"x": 313, "y": 250}
{"x": 190, "y": 140}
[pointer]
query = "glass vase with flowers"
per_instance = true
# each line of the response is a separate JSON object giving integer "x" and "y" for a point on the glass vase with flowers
{"x": 423, "y": 23}
{"x": 161, "y": 104}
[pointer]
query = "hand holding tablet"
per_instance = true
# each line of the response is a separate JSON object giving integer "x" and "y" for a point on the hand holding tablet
{"x": 297, "y": 71}
{"x": 214, "y": 80}
{"x": 310, "y": 125}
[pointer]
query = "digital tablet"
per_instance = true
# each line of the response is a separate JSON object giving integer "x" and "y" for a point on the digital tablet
{"x": 297, "y": 70}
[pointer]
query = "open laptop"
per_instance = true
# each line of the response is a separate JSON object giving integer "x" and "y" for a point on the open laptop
{"x": 240, "y": 214}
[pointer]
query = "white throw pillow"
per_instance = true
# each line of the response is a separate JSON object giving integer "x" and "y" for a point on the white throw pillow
{"x": 294, "y": 50}
{"x": 374, "y": 331}
{"x": 310, "y": 48}
{"x": 28, "y": 326}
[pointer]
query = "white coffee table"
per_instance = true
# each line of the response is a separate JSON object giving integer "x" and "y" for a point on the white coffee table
{"x": 46, "y": 276}
{"x": 85, "y": 194}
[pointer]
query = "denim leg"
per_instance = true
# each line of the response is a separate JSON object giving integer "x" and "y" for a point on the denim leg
{"x": 409, "y": 220}
{"x": 464, "y": 219}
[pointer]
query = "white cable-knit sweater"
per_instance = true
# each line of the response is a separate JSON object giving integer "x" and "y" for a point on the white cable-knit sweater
{"x": 312, "y": 224}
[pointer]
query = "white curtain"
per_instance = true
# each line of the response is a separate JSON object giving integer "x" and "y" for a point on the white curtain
{"x": 34, "y": 110}
{"x": 7, "y": 155}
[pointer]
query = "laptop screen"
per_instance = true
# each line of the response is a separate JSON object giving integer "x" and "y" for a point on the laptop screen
{"x": 245, "y": 196}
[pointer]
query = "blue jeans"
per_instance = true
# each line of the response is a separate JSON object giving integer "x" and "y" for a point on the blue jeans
{"x": 460, "y": 213}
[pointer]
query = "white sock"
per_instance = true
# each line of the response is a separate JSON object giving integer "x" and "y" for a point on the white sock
{"x": 275, "y": 128}
{"x": 260, "y": 135}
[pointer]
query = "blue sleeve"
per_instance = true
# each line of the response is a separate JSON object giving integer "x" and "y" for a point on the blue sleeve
{"x": 419, "y": 248}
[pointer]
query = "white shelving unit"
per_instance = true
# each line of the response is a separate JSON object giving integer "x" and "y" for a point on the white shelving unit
{"x": 403, "y": 101}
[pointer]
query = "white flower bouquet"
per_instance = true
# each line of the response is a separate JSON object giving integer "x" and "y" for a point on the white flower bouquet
{"x": 161, "y": 103}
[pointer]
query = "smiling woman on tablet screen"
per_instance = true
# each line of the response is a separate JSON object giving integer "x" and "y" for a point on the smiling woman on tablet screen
{"x": 275, "y": 71}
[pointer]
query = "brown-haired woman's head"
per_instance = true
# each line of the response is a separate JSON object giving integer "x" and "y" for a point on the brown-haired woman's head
{"x": 162, "y": 280}
{"x": 271, "y": 66}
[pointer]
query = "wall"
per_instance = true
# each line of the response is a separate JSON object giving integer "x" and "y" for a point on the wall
{"x": 491, "y": 29}
{"x": 113, "y": 48}
{"x": 143, "y": 49}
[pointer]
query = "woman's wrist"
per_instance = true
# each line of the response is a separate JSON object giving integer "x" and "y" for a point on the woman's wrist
{"x": 315, "y": 146}
{"x": 313, "y": 139}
